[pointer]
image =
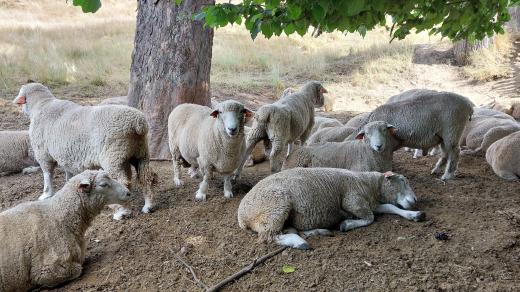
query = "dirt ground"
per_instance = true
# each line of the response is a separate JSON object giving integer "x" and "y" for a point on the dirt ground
{"x": 479, "y": 211}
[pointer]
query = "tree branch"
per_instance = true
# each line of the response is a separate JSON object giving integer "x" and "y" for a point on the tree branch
{"x": 245, "y": 270}
{"x": 190, "y": 268}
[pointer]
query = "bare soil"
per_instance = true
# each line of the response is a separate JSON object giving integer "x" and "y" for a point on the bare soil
{"x": 479, "y": 211}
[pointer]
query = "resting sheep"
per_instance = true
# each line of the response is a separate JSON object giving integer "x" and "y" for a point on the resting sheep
{"x": 358, "y": 121}
{"x": 504, "y": 158}
{"x": 484, "y": 131}
{"x": 282, "y": 123}
{"x": 75, "y": 137}
{"x": 371, "y": 151}
{"x": 331, "y": 134}
{"x": 16, "y": 154}
{"x": 323, "y": 122}
{"x": 208, "y": 140}
{"x": 429, "y": 119}
{"x": 316, "y": 198}
{"x": 118, "y": 100}
{"x": 43, "y": 242}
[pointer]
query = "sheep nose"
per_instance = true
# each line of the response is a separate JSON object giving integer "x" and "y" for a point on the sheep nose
{"x": 232, "y": 130}
{"x": 128, "y": 194}
{"x": 379, "y": 147}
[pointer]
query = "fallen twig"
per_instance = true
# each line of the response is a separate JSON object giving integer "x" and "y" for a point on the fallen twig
{"x": 245, "y": 270}
{"x": 190, "y": 268}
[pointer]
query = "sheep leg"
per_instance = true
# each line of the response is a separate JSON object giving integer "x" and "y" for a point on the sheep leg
{"x": 317, "y": 232}
{"x": 418, "y": 153}
{"x": 250, "y": 145}
{"x": 68, "y": 175}
{"x": 391, "y": 209}
{"x": 52, "y": 275}
{"x": 48, "y": 174}
{"x": 228, "y": 187}
{"x": 453, "y": 159}
{"x": 292, "y": 240}
{"x": 31, "y": 169}
{"x": 441, "y": 162}
{"x": 277, "y": 156}
{"x": 360, "y": 208}
{"x": 193, "y": 172}
{"x": 177, "y": 169}
{"x": 203, "y": 187}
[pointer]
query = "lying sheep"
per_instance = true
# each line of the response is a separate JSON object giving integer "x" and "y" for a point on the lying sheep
{"x": 43, "y": 242}
{"x": 503, "y": 157}
{"x": 210, "y": 140}
{"x": 485, "y": 112}
{"x": 323, "y": 122}
{"x": 76, "y": 138}
{"x": 358, "y": 121}
{"x": 429, "y": 119}
{"x": 16, "y": 154}
{"x": 371, "y": 151}
{"x": 118, "y": 100}
{"x": 486, "y": 131}
{"x": 282, "y": 123}
{"x": 331, "y": 134}
{"x": 510, "y": 107}
{"x": 316, "y": 198}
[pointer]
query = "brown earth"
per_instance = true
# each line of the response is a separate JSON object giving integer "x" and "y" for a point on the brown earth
{"x": 479, "y": 211}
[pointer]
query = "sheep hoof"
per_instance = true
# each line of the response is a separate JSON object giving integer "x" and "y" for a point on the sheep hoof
{"x": 228, "y": 194}
{"x": 467, "y": 152}
{"x": 147, "y": 209}
{"x": 447, "y": 176}
{"x": 178, "y": 182}
{"x": 419, "y": 216}
{"x": 200, "y": 196}
{"x": 121, "y": 213}
{"x": 44, "y": 196}
{"x": 303, "y": 246}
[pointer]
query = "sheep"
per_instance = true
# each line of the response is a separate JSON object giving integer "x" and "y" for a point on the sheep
{"x": 75, "y": 137}
{"x": 43, "y": 242}
{"x": 118, "y": 100}
{"x": 503, "y": 157}
{"x": 485, "y": 112}
{"x": 358, "y": 121}
{"x": 315, "y": 199}
{"x": 429, "y": 119}
{"x": 485, "y": 131}
{"x": 323, "y": 122}
{"x": 16, "y": 154}
{"x": 207, "y": 139}
{"x": 330, "y": 134}
{"x": 371, "y": 151}
{"x": 510, "y": 107}
{"x": 282, "y": 123}
{"x": 259, "y": 153}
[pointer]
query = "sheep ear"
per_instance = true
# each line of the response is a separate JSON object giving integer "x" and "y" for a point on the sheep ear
{"x": 389, "y": 174}
{"x": 323, "y": 90}
{"x": 360, "y": 135}
{"x": 84, "y": 185}
{"x": 391, "y": 129}
{"x": 248, "y": 114}
{"x": 20, "y": 100}
{"x": 214, "y": 113}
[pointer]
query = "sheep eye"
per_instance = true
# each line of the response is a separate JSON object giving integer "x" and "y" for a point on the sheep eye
{"x": 103, "y": 184}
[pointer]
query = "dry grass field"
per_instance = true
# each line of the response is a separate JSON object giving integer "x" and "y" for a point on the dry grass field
{"x": 86, "y": 57}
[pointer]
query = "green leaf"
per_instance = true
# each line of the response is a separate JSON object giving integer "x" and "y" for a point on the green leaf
{"x": 354, "y": 7}
{"x": 318, "y": 13}
{"x": 87, "y": 5}
{"x": 288, "y": 269}
{"x": 293, "y": 11}
{"x": 178, "y": 2}
{"x": 289, "y": 29}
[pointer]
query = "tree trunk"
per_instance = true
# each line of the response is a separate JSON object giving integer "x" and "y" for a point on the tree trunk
{"x": 171, "y": 64}
{"x": 514, "y": 23}
{"x": 462, "y": 49}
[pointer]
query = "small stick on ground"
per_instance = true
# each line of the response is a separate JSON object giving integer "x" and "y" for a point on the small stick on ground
{"x": 245, "y": 270}
{"x": 190, "y": 268}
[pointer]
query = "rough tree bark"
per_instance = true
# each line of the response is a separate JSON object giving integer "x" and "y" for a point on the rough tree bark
{"x": 171, "y": 64}
{"x": 462, "y": 49}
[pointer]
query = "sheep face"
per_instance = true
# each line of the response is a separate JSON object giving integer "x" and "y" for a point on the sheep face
{"x": 318, "y": 90}
{"x": 100, "y": 188}
{"x": 396, "y": 190}
{"x": 232, "y": 116}
{"x": 376, "y": 135}
{"x": 28, "y": 95}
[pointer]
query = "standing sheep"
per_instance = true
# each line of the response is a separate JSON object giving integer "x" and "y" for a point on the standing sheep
{"x": 503, "y": 157}
{"x": 371, "y": 151}
{"x": 429, "y": 119}
{"x": 210, "y": 140}
{"x": 485, "y": 131}
{"x": 43, "y": 242}
{"x": 331, "y": 134}
{"x": 16, "y": 154}
{"x": 317, "y": 198}
{"x": 282, "y": 123}
{"x": 76, "y": 138}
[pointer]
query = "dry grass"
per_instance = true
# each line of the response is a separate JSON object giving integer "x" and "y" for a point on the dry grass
{"x": 89, "y": 55}
{"x": 492, "y": 63}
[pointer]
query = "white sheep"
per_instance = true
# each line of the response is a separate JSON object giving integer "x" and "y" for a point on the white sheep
{"x": 371, "y": 151}
{"x": 314, "y": 199}
{"x": 484, "y": 131}
{"x": 282, "y": 123}
{"x": 43, "y": 242}
{"x": 324, "y": 122}
{"x": 211, "y": 140}
{"x": 429, "y": 119}
{"x": 75, "y": 137}
{"x": 259, "y": 154}
{"x": 16, "y": 154}
{"x": 358, "y": 121}
{"x": 331, "y": 134}
{"x": 504, "y": 158}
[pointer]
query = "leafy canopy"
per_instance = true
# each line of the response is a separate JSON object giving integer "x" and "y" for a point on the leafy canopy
{"x": 454, "y": 19}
